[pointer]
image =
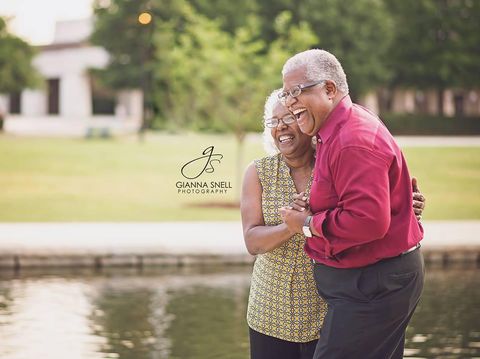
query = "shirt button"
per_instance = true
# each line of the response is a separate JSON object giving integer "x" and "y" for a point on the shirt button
{"x": 319, "y": 140}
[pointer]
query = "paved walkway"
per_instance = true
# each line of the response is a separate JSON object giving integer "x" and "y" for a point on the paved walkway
{"x": 180, "y": 238}
{"x": 416, "y": 141}
{"x": 438, "y": 141}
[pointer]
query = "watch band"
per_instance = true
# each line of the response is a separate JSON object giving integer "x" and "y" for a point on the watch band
{"x": 306, "y": 227}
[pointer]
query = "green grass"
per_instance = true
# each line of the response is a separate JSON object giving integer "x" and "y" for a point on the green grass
{"x": 450, "y": 179}
{"x": 123, "y": 180}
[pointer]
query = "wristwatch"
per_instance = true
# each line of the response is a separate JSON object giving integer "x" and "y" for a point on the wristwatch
{"x": 306, "y": 227}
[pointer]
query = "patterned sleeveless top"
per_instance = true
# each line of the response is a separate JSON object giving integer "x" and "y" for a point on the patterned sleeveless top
{"x": 283, "y": 302}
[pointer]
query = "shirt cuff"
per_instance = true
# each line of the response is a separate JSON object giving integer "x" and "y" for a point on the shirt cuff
{"x": 317, "y": 223}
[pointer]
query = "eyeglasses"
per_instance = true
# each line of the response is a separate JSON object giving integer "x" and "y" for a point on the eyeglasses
{"x": 273, "y": 121}
{"x": 296, "y": 90}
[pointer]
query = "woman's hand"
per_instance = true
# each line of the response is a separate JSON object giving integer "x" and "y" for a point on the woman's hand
{"x": 418, "y": 200}
{"x": 300, "y": 202}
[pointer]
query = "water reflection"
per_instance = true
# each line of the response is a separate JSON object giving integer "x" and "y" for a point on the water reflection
{"x": 447, "y": 321}
{"x": 209, "y": 323}
{"x": 187, "y": 314}
{"x": 123, "y": 317}
{"x": 45, "y": 318}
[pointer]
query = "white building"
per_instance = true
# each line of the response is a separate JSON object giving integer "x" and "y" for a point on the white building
{"x": 71, "y": 103}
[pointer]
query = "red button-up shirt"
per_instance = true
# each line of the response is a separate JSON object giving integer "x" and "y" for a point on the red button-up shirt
{"x": 361, "y": 195}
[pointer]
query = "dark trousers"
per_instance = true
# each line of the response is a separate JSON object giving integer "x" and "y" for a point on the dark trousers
{"x": 266, "y": 347}
{"x": 368, "y": 308}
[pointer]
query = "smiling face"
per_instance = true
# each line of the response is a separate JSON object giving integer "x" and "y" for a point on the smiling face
{"x": 289, "y": 139}
{"x": 313, "y": 105}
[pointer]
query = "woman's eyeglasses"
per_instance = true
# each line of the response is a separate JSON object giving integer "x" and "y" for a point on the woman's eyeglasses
{"x": 273, "y": 121}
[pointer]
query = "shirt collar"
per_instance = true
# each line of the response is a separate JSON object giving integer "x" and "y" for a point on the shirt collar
{"x": 335, "y": 118}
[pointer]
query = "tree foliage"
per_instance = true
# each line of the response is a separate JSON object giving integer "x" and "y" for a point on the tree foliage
{"x": 117, "y": 30}
{"x": 16, "y": 69}
{"x": 436, "y": 44}
{"x": 357, "y": 32}
{"x": 209, "y": 64}
{"x": 230, "y": 16}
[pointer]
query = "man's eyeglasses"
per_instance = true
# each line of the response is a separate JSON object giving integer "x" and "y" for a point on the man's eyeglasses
{"x": 273, "y": 121}
{"x": 297, "y": 90}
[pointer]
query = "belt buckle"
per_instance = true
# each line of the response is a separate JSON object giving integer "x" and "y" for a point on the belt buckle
{"x": 411, "y": 249}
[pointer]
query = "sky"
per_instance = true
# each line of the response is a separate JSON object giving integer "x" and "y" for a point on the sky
{"x": 34, "y": 20}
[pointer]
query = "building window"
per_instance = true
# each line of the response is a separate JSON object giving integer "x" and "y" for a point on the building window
{"x": 15, "y": 105}
{"x": 103, "y": 99}
{"x": 53, "y": 96}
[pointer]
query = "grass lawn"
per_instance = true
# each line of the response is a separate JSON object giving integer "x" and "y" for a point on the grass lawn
{"x": 123, "y": 180}
{"x": 450, "y": 179}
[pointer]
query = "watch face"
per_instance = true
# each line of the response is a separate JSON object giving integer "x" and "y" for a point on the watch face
{"x": 306, "y": 231}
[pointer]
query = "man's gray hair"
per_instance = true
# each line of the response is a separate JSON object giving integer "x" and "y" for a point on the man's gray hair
{"x": 319, "y": 65}
{"x": 268, "y": 141}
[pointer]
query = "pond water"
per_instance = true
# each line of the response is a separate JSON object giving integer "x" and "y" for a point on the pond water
{"x": 192, "y": 313}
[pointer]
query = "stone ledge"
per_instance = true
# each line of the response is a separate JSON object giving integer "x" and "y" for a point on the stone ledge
{"x": 112, "y": 260}
{"x": 446, "y": 256}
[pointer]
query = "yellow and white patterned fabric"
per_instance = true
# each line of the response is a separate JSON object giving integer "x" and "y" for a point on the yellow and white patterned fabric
{"x": 283, "y": 302}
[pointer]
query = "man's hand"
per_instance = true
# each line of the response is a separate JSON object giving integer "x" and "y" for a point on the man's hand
{"x": 294, "y": 219}
{"x": 418, "y": 200}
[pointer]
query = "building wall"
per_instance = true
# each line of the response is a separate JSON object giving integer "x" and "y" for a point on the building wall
{"x": 70, "y": 66}
{"x": 4, "y": 106}
{"x": 472, "y": 103}
{"x": 403, "y": 101}
{"x": 68, "y": 59}
{"x": 370, "y": 101}
{"x": 34, "y": 102}
{"x": 73, "y": 30}
{"x": 426, "y": 102}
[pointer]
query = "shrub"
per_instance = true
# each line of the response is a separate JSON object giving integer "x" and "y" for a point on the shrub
{"x": 401, "y": 124}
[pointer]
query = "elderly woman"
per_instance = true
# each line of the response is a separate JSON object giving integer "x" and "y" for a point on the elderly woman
{"x": 285, "y": 312}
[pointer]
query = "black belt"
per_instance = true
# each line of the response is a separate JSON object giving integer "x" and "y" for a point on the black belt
{"x": 416, "y": 246}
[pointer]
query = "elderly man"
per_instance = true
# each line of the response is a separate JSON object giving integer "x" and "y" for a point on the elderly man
{"x": 361, "y": 232}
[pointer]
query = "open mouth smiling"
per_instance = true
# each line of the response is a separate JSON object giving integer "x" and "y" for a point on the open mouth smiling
{"x": 285, "y": 138}
{"x": 298, "y": 112}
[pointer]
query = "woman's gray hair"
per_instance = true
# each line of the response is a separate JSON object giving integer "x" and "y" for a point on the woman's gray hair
{"x": 319, "y": 65}
{"x": 268, "y": 141}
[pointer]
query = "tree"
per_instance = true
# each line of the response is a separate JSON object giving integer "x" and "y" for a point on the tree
{"x": 229, "y": 17}
{"x": 16, "y": 69}
{"x": 357, "y": 32}
{"x": 219, "y": 81}
{"x": 134, "y": 53}
{"x": 436, "y": 44}
{"x": 127, "y": 41}
{"x": 216, "y": 80}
